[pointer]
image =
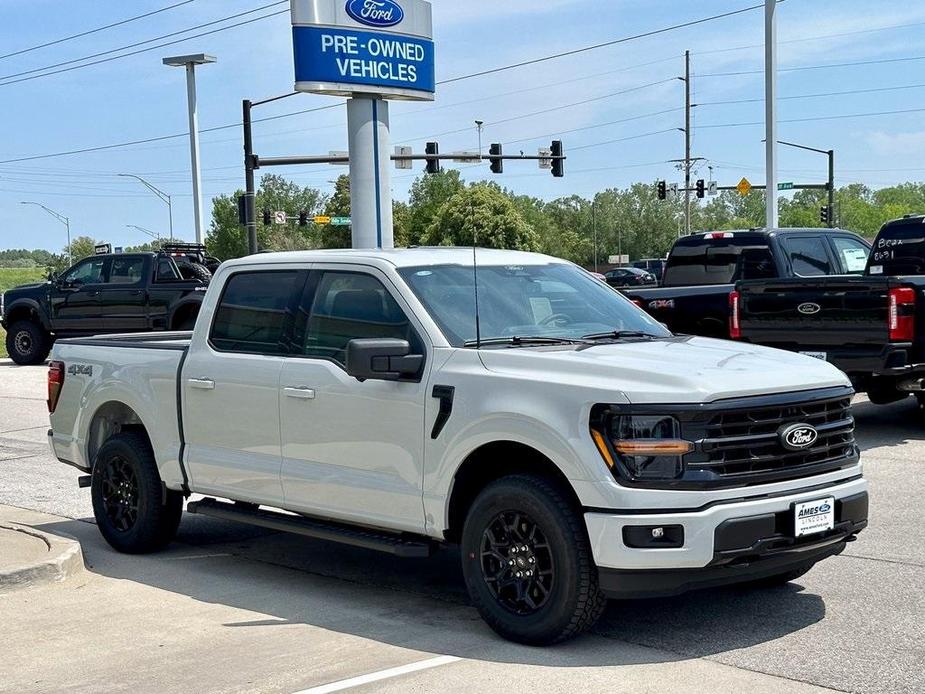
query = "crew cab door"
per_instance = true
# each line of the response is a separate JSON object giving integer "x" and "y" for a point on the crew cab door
{"x": 123, "y": 299}
{"x": 351, "y": 450}
{"x": 230, "y": 386}
{"x": 74, "y": 297}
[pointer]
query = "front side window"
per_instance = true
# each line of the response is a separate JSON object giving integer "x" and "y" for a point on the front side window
{"x": 89, "y": 271}
{"x": 555, "y": 300}
{"x": 253, "y": 314}
{"x": 127, "y": 270}
{"x": 348, "y": 306}
{"x": 808, "y": 256}
{"x": 852, "y": 253}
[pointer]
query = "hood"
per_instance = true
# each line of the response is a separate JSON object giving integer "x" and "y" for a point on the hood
{"x": 680, "y": 370}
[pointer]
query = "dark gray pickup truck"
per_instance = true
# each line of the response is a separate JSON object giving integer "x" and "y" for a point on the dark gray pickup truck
{"x": 702, "y": 269}
{"x": 870, "y": 325}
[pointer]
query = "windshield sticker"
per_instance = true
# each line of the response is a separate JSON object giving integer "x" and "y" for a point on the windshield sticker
{"x": 876, "y": 269}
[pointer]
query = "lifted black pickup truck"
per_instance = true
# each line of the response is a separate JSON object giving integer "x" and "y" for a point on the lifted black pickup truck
{"x": 703, "y": 268}
{"x": 107, "y": 293}
{"x": 865, "y": 325}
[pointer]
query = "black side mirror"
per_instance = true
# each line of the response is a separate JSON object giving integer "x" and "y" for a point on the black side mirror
{"x": 383, "y": 359}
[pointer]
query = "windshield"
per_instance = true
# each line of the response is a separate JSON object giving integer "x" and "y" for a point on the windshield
{"x": 899, "y": 250}
{"x": 555, "y": 300}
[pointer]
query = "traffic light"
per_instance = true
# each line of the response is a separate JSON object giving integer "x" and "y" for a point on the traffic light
{"x": 701, "y": 188}
{"x": 303, "y": 218}
{"x": 662, "y": 189}
{"x": 495, "y": 153}
{"x": 266, "y": 218}
{"x": 242, "y": 210}
{"x": 824, "y": 213}
{"x": 558, "y": 164}
{"x": 432, "y": 149}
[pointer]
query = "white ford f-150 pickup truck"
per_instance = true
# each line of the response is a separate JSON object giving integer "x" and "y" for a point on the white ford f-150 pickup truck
{"x": 401, "y": 400}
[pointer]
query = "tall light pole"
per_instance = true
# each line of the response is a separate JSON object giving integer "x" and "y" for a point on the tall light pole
{"x": 159, "y": 193}
{"x": 770, "y": 110}
{"x": 478, "y": 126}
{"x": 830, "y": 153}
{"x": 61, "y": 218}
{"x": 190, "y": 62}
{"x": 142, "y": 230}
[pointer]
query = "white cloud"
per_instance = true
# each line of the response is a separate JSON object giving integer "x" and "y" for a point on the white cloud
{"x": 886, "y": 144}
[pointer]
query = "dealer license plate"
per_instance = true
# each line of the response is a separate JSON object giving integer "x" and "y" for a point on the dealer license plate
{"x": 811, "y": 517}
{"x": 822, "y": 356}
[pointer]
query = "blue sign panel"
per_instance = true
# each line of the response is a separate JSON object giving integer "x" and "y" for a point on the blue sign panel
{"x": 363, "y": 58}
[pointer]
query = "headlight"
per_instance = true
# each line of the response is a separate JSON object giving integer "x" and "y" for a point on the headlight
{"x": 641, "y": 447}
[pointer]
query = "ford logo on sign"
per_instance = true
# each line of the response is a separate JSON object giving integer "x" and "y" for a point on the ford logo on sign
{"x": 376, "y": 13}
{"x": 809, "y": 308}
{"x": 796, "y": 437}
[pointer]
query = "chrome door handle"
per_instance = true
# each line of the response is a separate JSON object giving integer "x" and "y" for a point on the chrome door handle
{"x": 201, "y": 383}
{"x": 300, "y": 393}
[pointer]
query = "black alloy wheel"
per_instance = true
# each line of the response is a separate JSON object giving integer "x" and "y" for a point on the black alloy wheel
{"x": 517, "y": 564}
{"x": 120, "y": 494}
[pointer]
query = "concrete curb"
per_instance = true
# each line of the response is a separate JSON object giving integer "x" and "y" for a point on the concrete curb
{"x": 64, "y": 559}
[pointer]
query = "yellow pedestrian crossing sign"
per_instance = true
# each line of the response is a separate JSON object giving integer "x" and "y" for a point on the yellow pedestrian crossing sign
{"x": 744, "y": 187}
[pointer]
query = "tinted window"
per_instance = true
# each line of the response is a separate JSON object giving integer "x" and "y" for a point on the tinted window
{"x": 253, "y": 313}
{"x": 166, "y": 270}
{"x": 127, "y": 270}
{"x": 556, "y": 300}
{"x": 899, "y": 250}
{"x": 700, "y": 260}
{"x": 89, "y": 271}
{"x": 348, "y": 306}
{"x": 852, "y": 254}
{"x": 808, "y": 256}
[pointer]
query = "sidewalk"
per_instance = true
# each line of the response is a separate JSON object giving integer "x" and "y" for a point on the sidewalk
{"x": 30, "y": 557}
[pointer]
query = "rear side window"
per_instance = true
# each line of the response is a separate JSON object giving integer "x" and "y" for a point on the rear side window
{"x": 126, "y": 270}
{"x": 253, "y": 314}
{"x": 899, "y": 250}
{"x": 808, "y": 256}
{"x": 700, "y": 261}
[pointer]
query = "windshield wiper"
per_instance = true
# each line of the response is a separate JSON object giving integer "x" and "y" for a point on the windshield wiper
{"x": 620, "y": 335}
{"x": 519, "y": 341}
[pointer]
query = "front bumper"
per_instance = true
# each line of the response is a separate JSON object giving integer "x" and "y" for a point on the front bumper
{"x": 723, "y": 542}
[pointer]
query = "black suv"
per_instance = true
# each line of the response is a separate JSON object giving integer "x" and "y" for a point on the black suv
{"x": 105, "y": 293}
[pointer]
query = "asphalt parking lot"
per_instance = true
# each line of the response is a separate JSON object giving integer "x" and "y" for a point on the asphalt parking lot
{"x": 234, "y": 608}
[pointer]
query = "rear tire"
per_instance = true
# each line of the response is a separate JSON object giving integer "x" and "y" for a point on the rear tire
{"x": 194, "y": 271}
{"x": 128, "y": 496}
{"x": 524, "y": 525}
{"x": 27, "y": 343}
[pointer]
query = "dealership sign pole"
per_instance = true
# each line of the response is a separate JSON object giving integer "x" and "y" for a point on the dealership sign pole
{"x": 369, "y": 51}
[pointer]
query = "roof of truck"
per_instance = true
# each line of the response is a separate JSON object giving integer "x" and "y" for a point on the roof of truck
{"x": 405, "y": 257}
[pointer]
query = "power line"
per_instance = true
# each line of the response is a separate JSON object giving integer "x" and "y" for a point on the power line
{"x": 94, "y": 31}
{"x": 143, "y": 50}
{"x": 812, "y": 96}
{"x": 815, "y": 118}
{"x": 606, "y": 44}
{"x": 815, "y": 67}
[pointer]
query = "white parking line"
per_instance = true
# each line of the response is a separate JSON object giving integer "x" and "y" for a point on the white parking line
{"x": 381, "y": 675}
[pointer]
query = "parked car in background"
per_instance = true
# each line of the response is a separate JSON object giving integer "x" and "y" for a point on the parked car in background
{"x": 703, "y": 268}
{"x": 104, "y": 293}
{"x": 630, "y": 277}
{"x": 870, "y": 325}
{"x": 656, "y": 266}
{"x": 570, "y": 445}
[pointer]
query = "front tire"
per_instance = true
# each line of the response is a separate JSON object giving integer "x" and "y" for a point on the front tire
{"x": 27, "y": 343}
{"x": 527, "y": 562}
{"x": 128, "y": 497}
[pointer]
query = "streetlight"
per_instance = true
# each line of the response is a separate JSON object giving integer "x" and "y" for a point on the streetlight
{"x": 830, "y": 153}
{"x": 142, "y": 230}
{"x": 190, "y": 62}
{"x": 159, "y": 193}
{"x": 478, "y": 126}
{"x": 61, "y": 218}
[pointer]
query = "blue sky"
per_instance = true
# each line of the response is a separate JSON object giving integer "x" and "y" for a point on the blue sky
{"x": 137, "y": 98}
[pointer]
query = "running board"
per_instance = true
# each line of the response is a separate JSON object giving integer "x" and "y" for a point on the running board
{"x": 381, "y": 541}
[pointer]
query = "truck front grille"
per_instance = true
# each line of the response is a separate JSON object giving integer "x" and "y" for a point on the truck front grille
{"x": 742, "y": 445}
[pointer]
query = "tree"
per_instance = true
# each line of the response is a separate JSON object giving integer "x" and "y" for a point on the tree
{"x": 427, "y": 195}
{"x": 338, "y": 205}
{"x": 480, "y": 215}
{"x": 83, "y": 246}
{"x": 151, "y": 246}
{"x": 228, "y": 239}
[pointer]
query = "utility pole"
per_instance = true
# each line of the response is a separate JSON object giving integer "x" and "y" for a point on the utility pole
{"x": 770, "y": 110}
{"x": 594, "y": 230}
{"x": 687, "y": 142}
{"x": 250, "y": 194}
{"x": 831, "y": 155}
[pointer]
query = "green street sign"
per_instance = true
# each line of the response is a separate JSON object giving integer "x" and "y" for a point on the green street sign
{"x": 785, "y": 186}
{"x": 340, "y": 221}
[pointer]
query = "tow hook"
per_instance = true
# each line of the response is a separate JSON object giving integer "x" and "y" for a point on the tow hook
{"x": 84, "y": 481}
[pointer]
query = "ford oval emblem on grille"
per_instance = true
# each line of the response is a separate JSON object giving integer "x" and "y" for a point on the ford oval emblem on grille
{"x": 375, "y": 13}
{"x": 809, "y": 308}
{"x": 797, "y": 437}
